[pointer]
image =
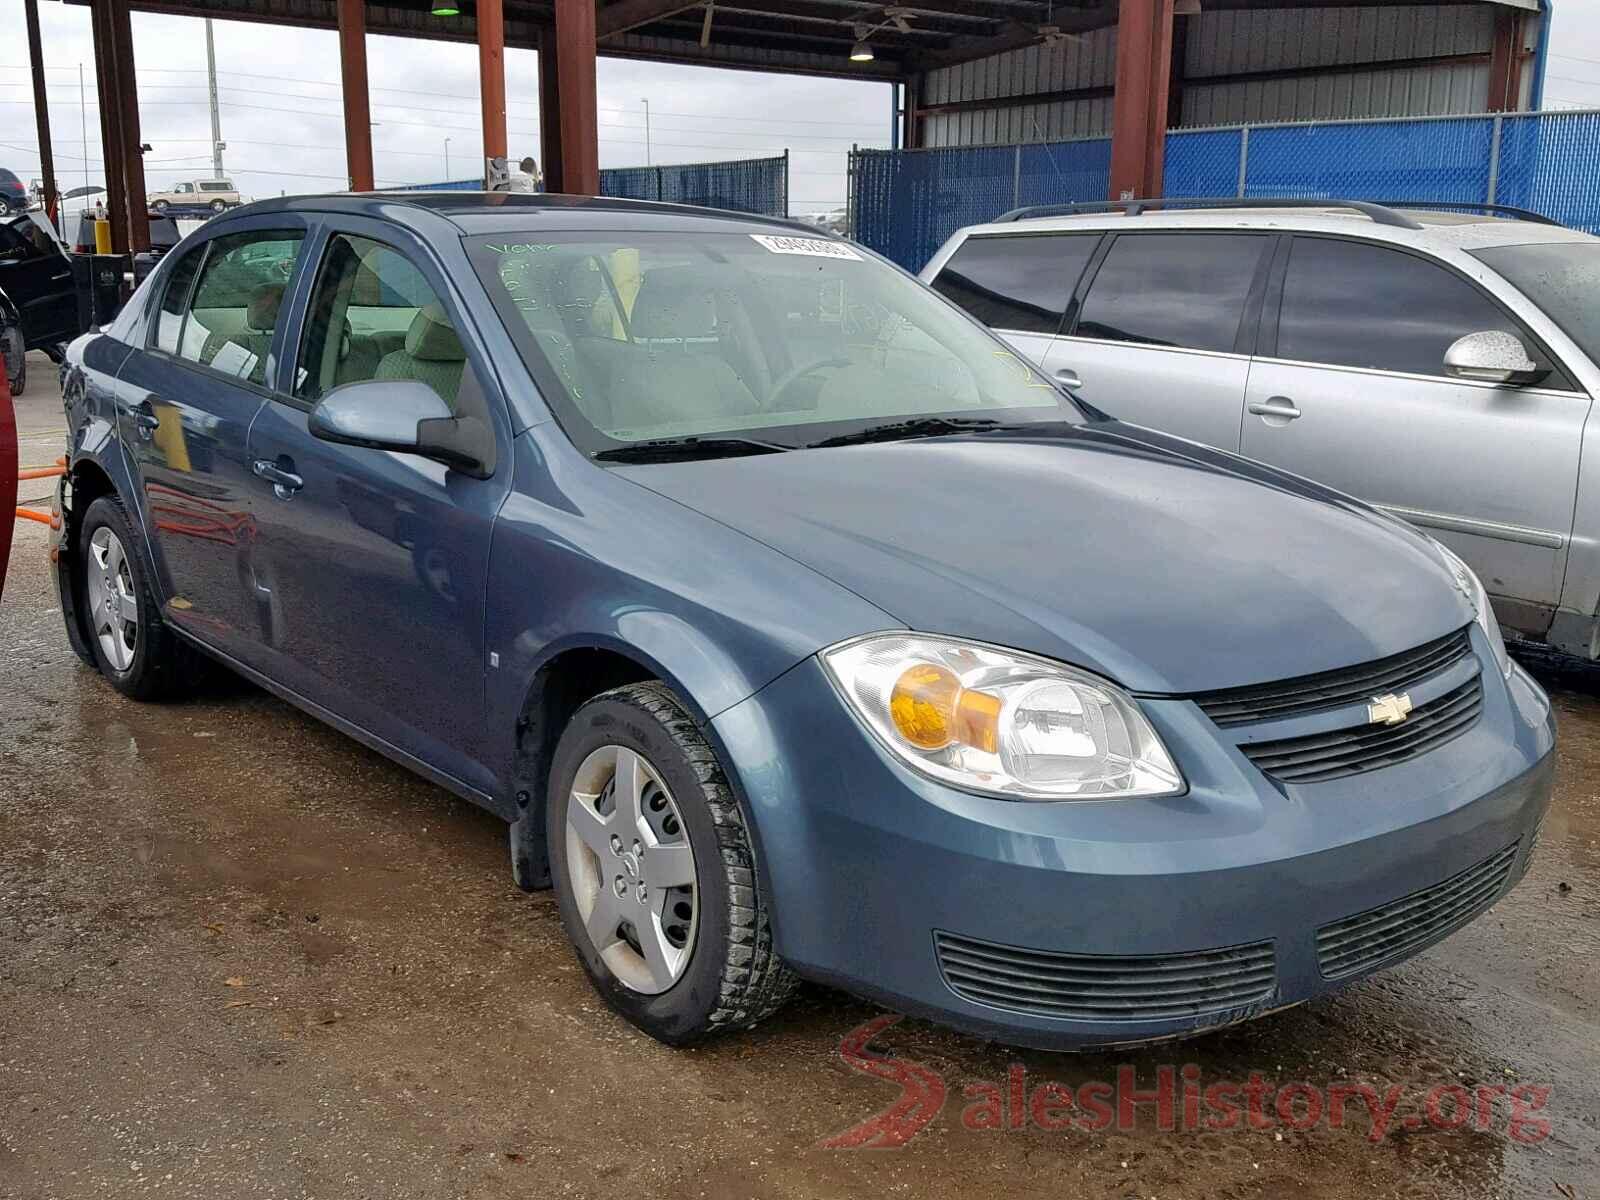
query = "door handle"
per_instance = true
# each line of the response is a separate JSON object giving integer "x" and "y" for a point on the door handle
{"x": 1067, "y": 377}
{"x": 143, "y": 416}
{"x": 1279, "y": 408}
{"x": 284, "y": 483}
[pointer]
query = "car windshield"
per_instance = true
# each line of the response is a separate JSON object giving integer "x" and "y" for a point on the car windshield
{"x": 741, "y": 342}
{"x": 1563, "y": 279}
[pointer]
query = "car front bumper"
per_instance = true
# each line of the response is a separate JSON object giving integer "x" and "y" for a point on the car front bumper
{"x": 1125, "y": 921}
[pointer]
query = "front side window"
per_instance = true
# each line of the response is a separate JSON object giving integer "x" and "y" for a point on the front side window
{"x": 183, "y": 189}
{"x": 1354, "y": 304}
{"x": 789, "y": 339}
{"x": 374, "y": 316}
{"x": 168, "y": 332}
{"x": 1017, "y": 283}
{"x": 237, "y": 302}
{"x": 1185, "y": 290}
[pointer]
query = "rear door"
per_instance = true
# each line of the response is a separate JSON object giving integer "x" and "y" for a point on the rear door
{"x": 185, "y": 403}
{"x": 1163, "y": 332}
{"x": 1350, "y": 389}
{"x": 1018, "y": 284}
{"x": 37, "y": 277}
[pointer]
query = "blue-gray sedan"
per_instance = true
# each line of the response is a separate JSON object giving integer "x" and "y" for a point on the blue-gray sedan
{"x": 796, "y": 627}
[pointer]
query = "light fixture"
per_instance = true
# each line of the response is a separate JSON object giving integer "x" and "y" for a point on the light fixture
{"x": 446, "y": 8}
{"x": 861, "y": 52}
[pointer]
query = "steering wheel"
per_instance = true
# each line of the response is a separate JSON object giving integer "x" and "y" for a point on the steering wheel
{"x": 794, "y": 375}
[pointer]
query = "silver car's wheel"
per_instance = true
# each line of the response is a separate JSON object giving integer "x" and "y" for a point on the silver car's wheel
{"x": 113, "y": 602}
{"x": 631, "y": 869}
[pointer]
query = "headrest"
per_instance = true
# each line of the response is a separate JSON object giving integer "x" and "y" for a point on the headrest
{"x": 674, "y": 302}
{"x": 432, "y": 337}
{"x": 262, "y": 314}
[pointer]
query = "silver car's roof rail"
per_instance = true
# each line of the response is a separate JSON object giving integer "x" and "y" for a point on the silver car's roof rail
{"x": 1493, "y": 210}
{"x": 1380, "y": 214}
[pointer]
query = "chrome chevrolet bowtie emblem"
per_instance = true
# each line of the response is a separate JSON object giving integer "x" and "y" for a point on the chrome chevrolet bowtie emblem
{"x": 1389, "y": 710}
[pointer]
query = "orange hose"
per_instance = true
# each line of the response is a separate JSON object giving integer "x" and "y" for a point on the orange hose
{"x": 41, "y": 472}
{"x": 27, "y": 514}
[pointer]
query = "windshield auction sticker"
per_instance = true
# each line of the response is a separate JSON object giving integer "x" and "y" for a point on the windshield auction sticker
{"x": 809, "y": 247}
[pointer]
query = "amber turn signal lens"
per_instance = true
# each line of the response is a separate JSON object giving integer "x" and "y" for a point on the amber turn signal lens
{"x": 931, "y": 709}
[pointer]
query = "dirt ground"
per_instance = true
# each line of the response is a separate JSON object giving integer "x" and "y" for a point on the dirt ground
{"x": 240, "y": 955}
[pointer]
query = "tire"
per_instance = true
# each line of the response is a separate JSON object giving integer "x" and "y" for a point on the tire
{"x": 16, "y": 359}
{"x": 160, "y": 206}
{"x": 217, "y": 206}
{"x": 5, "y": 207}
{"x": 142, "y": 659}
{"x": 728, "y": 976}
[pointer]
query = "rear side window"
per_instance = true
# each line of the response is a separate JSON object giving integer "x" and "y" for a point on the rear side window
{"x": 1353, "y": 304}
{"x": 236, "y": 305}
{"x": 1017, "y": 283}
{"x": 1184, "y": 290}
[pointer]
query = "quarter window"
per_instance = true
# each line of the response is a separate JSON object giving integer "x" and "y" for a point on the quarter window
{"x": 238, "y": 301}
{"x": 1173, "y": 289}
{"x": 1016, "y": 283}
{"x": 374, "y": 316}
{"x": 1354, "y": 304}
{"x": 175, "y": 303}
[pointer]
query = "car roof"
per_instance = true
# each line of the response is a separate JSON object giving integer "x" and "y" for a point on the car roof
{"x": 522, "y": 212}
{"x": 1437, "y": 229}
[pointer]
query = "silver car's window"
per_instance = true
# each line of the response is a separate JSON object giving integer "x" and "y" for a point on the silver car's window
{"x": 1019, "y": 283}
{"x": 1562, "y": 279}
{"x": 1186, "y": 290}
{"x": 1355, "y": 304}
{"x": 670, "y": 336}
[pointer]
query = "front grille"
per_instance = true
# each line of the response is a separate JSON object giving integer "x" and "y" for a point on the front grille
{"x": 1334, "y": 689}
{"x": 1093, "y": 987}
{"x": 1403, "y": 927}
{"x": 1319, "y": 757}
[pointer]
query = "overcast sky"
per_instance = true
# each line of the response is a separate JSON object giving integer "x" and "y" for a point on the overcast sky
{"x": 281, "y": 109}
{"x": 281, "y": 115}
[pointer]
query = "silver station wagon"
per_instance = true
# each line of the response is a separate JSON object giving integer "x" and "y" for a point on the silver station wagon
{"x": 1438, "y": 364}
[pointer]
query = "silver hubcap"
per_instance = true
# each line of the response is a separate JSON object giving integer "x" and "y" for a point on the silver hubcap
{"x": 631, "y": 869}
{"x": 112, "y": 605}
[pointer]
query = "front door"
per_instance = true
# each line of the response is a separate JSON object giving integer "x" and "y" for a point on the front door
{"x": 371, "y": 565}
{"x": 1352, "y": 392}
{"x": 185, "y": 403}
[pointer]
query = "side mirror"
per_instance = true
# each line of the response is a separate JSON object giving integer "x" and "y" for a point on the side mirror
{"x": 406, "y": 416}
{"x": 1493, "y": 356}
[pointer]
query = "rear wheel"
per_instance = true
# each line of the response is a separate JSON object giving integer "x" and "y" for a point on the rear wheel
{"x": 134, "y": 649}
{"x": 654, "y": 871}
{"x": 5, "y": 207}
{"x": 218, "y": 205}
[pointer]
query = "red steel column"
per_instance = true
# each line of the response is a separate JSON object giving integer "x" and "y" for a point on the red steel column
{"x": 492, "y": 76}
{"x": 357, "y": 109}
{"x": 127, "y": 95}
{"x": 580, "y": 121}
{"x": 1505, "y": 62}
{"x": 111, "y": 141}
{"x": 41, "y": 109}
{"x": 1139, "y": 109}
{"x": 550, "y": 111}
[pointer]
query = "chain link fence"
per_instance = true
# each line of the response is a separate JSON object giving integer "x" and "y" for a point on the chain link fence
{"x": 906, "y": 203}
{"x": 752, "y": 185}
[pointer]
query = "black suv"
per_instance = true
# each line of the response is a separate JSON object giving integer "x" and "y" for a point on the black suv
{"x": 38, "y": 302}
{"x": 13, "y": 193}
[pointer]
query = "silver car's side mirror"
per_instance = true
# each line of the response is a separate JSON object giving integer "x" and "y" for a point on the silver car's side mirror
{"x": 1493, "y": 356}
{"x": 403, "y": 415}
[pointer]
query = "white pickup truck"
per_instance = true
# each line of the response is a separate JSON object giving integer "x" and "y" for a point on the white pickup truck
{"x": 215, "y": 194}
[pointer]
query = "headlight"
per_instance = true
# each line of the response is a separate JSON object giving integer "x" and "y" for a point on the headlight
{"x": 1468, "y": 581}
{"x": 997, "y": 721}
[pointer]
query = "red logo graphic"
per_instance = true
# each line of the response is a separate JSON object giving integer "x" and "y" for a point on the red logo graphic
{"x": 921, "y": 1092}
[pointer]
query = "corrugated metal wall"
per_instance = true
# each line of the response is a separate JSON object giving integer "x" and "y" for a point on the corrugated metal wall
{"x": 1231, "y": 42}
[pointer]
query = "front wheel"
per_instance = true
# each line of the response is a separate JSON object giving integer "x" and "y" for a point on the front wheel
{"x": 160, "y": 206}
{"x": 654, "y": 871}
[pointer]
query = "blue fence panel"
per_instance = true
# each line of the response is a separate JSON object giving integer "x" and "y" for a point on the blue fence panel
{"x": 1370, "y": 160}
{"x": 1549, "y": 163}
{"x": 753, "y": 185}
{"x": 1061, "y": 172}
{"x": 907, "y": 202}
{"x": 1203, "y": 162}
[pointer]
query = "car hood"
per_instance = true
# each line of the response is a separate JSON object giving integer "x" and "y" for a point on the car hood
{"x": 1167, "y": 566}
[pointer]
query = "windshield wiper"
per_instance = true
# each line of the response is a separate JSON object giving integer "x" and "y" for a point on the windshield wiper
{"x": 679, "y": 449}
{"x": 916, "y": 427}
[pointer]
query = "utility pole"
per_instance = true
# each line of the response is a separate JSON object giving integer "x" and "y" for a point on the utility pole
{"x": 645, "y": 100}
{"x": 447, "y": 158}
{"x": 217, "y": 144}
{"x": 83, "y": 128}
